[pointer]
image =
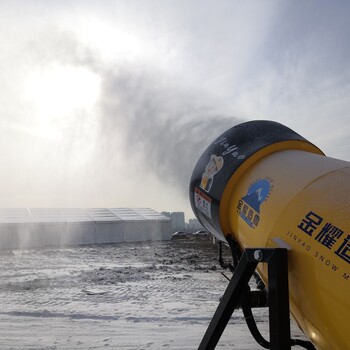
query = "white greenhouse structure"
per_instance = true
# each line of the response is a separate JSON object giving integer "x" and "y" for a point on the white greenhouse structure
{"x": 40, "y": 227}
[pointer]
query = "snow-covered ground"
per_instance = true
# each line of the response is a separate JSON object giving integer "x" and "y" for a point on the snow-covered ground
{"x": 154, "y": 295}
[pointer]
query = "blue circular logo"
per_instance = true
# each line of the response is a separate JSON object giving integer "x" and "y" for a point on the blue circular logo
{"x": 261, "y": 188}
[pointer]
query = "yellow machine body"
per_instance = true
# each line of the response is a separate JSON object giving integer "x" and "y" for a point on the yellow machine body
{"x": 289, "y": 195}
{"x": 306, "y": 211}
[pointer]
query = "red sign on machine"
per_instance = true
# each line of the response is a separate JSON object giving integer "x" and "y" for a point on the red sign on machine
{"x": 202, "y": 202}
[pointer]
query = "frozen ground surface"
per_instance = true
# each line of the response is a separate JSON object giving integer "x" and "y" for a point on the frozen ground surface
{"x": 155, "y": 295}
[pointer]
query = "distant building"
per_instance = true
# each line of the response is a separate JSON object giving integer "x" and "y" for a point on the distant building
{"x": 166, "y": 213}
{"x": 38, "y": 227}
{"x": 178, "y": 221}
{"x": 194, "y": 225}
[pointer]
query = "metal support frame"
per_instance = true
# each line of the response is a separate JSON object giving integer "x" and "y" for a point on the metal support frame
{"x": 279, "y": 321}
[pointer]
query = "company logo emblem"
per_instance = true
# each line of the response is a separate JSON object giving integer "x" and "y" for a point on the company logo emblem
{"x": 249, "y": 206}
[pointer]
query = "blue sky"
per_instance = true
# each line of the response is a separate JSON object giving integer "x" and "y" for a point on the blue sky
{"x": 110, "y": 103}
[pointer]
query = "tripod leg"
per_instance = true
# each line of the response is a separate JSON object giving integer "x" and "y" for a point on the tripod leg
{"x": 228, "y": 303}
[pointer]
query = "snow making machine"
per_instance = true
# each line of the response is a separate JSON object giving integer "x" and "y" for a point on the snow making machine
{"x": 283, "y": 208}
